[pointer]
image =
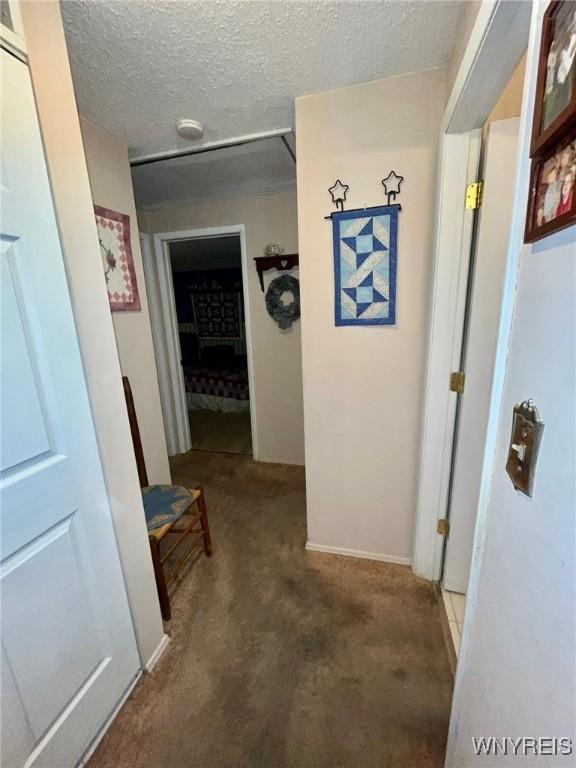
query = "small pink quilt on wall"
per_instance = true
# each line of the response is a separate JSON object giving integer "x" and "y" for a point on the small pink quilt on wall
{"x": 114, "y": 237}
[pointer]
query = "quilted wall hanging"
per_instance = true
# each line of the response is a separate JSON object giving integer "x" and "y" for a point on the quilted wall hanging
{"x": 217, "y": 313}
{"x": 114, "y": 237}
{"x": 365, "y": 252}
{"x": 365, "y": 243}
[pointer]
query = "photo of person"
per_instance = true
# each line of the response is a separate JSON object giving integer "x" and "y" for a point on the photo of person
{"x": 555, "y": 185}
{"x": 560, "y": 64}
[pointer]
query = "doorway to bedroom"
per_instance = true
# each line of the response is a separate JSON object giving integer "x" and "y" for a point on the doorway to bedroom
{"x": 209, "y": 305}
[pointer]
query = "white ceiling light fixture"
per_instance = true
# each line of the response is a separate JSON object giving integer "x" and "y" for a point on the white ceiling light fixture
{"x": 190, "y": 129}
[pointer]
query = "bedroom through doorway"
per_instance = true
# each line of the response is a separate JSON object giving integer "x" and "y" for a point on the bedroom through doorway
{"x": 209, "y": 303}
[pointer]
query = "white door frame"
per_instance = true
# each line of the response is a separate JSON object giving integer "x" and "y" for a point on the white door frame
{"x": 160, "y": 289}
{"x": 498, "y": 39}
{"x": 515, "y": 243}
{"x": 13, "y": 39}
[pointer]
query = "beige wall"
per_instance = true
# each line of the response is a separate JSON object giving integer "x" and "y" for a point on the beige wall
{"x": 73, "y": 204}
{"x": 111, "y": 186}
{"x": 277, "y": 359}
{"x": 510, "y": 102}
{"x": 363, "y": 386}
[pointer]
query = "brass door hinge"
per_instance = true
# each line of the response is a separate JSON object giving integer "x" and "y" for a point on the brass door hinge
{"x": 474, "y": 195}
{"x": 443, "y": 526}
{"x": 457, "y": 382}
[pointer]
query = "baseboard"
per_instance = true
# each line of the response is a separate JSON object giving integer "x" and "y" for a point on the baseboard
{"x": 283, "y": 462}
{"x": 358, "y": 553}
{"x": 445, "y": 627}
{"x": 153, "y": 660}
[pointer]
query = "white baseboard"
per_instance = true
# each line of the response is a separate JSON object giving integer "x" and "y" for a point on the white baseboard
{"x": 358, "y": 553}
{"x": 284, "y": 462}
{"x": 153, "y": 660}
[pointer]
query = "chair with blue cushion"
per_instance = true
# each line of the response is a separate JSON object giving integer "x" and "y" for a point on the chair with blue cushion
{"x": 169, "y": 510}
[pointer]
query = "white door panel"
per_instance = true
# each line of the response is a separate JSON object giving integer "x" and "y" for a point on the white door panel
{"x": 486, "y": 301}
{"x": 59, "y": 656}
{"x": 16, "y": 749}
{"x": 24, "y": 432}
{"x": 68, "y": 648}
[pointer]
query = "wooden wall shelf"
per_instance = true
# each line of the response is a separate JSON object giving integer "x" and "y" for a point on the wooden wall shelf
{"x": 282, "y": 263}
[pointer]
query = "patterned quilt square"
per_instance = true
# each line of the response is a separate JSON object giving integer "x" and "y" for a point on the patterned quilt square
{"x": 217, "y": 314}
{"x": 365, "y": 243}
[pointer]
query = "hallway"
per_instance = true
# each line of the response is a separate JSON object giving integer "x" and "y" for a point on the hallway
{"x": 283, "y": 657}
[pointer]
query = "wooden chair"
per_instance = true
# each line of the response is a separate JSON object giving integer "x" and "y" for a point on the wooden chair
{"x": 183, "y": 508}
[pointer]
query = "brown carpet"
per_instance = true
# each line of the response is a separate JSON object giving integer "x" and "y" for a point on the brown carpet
{"x": 282, "y": 657}
{"x": 221, "y": 432}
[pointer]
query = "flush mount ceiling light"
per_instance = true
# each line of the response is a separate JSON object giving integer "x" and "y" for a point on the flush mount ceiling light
{"x": 190, "y": 129}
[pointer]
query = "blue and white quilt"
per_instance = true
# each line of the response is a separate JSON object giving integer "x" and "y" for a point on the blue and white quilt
{"x": 365, "y": 244}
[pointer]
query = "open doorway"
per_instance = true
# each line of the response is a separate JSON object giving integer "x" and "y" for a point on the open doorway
{"x": 473, "y": 297}
{"x": 207, "y": 247}
{"x": 479, "y": 343}
{"x": 208, "y": 298}
{"x": 492, "y": 211}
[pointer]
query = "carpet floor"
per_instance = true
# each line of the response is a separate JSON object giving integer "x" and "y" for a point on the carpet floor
{"x": 221, "y": 432}
{"x": 284, "y": 658}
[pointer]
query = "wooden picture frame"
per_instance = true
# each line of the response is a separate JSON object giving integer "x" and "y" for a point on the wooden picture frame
{"x": 552, "y": 196}
{"x": 557, "y": 62}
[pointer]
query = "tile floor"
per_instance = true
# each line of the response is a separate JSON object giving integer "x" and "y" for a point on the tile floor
{"x": 455, "y": 604}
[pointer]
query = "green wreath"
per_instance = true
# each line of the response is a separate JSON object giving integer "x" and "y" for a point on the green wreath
{"x": 284, "y": 314}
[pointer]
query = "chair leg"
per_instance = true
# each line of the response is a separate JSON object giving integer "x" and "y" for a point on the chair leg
{"x": 204, "y": 522}
{"x": 160, "y": 579}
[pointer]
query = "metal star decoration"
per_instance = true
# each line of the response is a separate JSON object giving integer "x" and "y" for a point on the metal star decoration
{"x": 391, "y": 185}
{"x": 338, "y": 192}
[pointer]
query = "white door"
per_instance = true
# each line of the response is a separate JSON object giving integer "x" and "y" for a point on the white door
{"x": 480, "y": 347}
{"x": 68, "y": 648}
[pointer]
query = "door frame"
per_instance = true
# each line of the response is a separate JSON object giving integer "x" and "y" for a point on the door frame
{"x": 497, "y": 41}
{"x": 515, "y": 243}
{"x": 160, "y": 290}
{"x": 13, "y": 40}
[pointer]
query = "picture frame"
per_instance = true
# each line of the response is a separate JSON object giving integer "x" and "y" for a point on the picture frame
{"x": 555, "y": 104}
{"x": 117, "y": 260}
{"x": 552, "y": 195}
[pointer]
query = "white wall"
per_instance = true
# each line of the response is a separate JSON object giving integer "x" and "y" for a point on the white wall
{"x": 276, "y": 353}
{"x": 73, "y": 204}
{"x": 111, "y": 185}
{"x": 363, "y": 386}
{"x": 517, "y": 667}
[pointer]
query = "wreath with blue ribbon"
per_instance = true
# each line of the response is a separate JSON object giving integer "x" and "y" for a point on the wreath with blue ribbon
{"x": 284, "y": 314}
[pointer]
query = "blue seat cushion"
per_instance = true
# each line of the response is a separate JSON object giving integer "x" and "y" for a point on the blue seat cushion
{"x": 164, "y": 504}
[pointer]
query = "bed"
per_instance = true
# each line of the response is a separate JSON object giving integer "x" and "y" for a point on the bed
{"x": 217, "y": 389}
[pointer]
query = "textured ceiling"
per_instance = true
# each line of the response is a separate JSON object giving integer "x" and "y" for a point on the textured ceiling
{"x": 237, "y": 65}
